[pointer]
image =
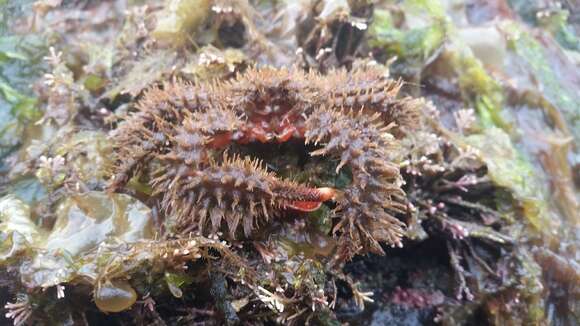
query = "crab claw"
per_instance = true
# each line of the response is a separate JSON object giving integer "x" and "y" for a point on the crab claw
{"x": 324, "y": 194}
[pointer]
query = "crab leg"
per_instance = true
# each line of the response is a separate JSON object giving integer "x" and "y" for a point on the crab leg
{"x": 146, "y": 132}
{"x": 367, "y": 209}
{"x": 200, "y": 192}
{"x": 370, "y": 90}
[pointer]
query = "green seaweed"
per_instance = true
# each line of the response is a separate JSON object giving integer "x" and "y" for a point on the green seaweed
{"x": 26, "y": 188}
{"x": 556, "y": 22}
{"x": 17, "y": 231}
{"x": 84, "y": 221}
{"x": 179, "y": 20}
{"x": 565, "y": 99}
{"x": 20, "y": 62}
{"x": 509, "y": 169}
{"x": 480, "y": 90}
{"x": 550, "y": 17}
{"x": 414, "y": 46}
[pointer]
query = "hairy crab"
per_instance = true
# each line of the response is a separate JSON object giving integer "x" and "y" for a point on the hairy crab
{"x": 354, "y": 117}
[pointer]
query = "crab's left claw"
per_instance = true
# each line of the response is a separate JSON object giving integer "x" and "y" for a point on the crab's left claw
{"x": 324, "y": 194}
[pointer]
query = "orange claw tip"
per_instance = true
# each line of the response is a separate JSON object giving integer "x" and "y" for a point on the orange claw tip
{"x": 304, "y": 206}
{"x": 326, "y": 193}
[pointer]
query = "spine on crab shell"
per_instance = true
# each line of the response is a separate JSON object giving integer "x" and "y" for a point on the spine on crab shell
{"x": 367, "y": 211}
{"x": 259, "y": 89}
{"x": 371, "y": 90}
{"x": 268, "y": 78}
{"x": 237, "y": 192}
